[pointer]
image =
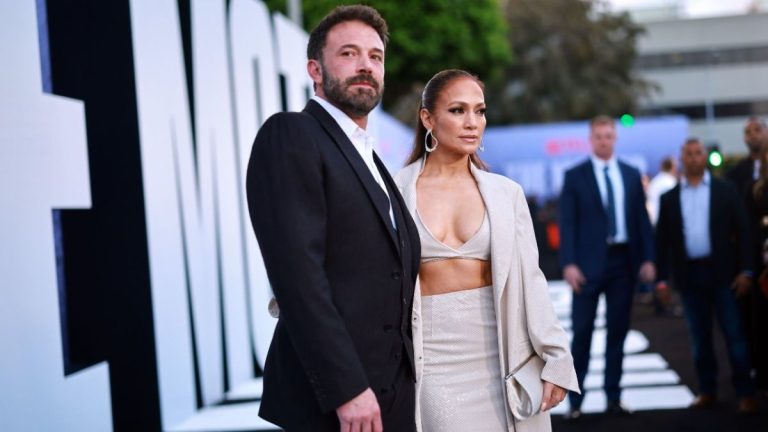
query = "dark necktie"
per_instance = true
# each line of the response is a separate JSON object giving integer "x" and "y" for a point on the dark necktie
{"x": 610, "y": 207}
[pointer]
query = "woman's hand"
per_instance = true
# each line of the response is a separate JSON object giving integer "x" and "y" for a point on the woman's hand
{"x": 553, "y": 395}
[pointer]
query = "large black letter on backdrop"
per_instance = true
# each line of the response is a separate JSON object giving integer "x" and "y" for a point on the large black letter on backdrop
{"x": 108, "y": 301}
{"x": 160, "y": 283}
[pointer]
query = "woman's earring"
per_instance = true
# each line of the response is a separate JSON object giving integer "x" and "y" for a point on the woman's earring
{"x": 426, "y": 142}
{"x": 482, "y": 147}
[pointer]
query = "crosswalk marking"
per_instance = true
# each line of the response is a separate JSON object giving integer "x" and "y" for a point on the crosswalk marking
{"x": 647, "y": 382}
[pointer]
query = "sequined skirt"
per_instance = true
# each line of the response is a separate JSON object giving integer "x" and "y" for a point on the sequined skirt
{"x": 461, "y": 387}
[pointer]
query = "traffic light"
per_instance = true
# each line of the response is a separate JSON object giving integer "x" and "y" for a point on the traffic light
{"x": 627, "y": 120}
{"x": 714, "y": 156}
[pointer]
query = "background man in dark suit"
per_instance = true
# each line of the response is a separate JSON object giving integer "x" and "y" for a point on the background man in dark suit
{"x": 340, "y": 248}
{"x": 703, "y": 247}
{"x": 753, "y": 307}
{"x": 746, "y": 170}
{"x": 606, "y": 243}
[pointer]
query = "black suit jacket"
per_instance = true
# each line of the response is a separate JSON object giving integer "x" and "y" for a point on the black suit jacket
{"x": 584, "y": 224}
{"x": 342, "y": 276}
{"x": 742, "y": 174}
{"x": 728, "y": 234}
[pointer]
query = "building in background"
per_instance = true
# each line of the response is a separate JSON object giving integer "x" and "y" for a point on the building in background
{"x": 711, "y": 69}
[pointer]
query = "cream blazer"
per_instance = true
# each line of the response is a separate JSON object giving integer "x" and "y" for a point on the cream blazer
{"x": 526, "y": 320}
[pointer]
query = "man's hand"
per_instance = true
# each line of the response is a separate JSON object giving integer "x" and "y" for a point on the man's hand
{"x": 574, "y": 277}
{"x": 361, "y": 414}
{"x": 553, "y": 395}
{"x": 741, "y": 285}
{"x": 647, "y": 272}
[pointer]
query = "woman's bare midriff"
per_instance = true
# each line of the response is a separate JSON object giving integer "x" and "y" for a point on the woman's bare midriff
{"x": 455, "y": 274}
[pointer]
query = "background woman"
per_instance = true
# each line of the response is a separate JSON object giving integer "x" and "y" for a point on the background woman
{"x": 482, "y": 310}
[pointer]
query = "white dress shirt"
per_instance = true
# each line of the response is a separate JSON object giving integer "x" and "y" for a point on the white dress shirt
{"x": 756, "y": 169}
{"x": 662, "y": 182}
{"x": 618, "y": 193}
{"x": 694, "y": 203}
{"x": 361, "y": 140}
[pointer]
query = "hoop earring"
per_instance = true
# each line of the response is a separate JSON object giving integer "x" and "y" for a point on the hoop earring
{"x": 426, "y": 142}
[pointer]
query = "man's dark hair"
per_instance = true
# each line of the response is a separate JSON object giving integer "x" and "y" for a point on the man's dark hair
{"x": 365, "y": 14}
{"x": 667, "y": 164}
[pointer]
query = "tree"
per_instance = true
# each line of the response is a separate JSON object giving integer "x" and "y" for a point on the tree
{"x": 426, "y": 37}
{"x": 573, "y": 61}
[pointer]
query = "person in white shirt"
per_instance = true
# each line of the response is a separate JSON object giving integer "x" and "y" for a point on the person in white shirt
{"x": 665, "y": 180}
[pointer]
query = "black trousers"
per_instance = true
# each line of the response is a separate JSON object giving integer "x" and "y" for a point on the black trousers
{"x": 617, "y": 284}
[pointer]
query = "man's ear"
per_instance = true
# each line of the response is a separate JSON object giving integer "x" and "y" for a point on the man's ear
{"x": 315, "y": 71}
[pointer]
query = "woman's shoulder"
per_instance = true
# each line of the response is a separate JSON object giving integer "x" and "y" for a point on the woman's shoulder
{"x": 406, "y": 173}
{"x": 498, "y": 181}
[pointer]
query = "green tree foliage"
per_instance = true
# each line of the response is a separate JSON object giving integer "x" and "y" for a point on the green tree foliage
{"x": 426, "y": 37}
{"x": 573, "y": 61}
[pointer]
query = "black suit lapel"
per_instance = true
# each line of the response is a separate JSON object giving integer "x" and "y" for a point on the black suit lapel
{"x": 398, "y": 207}
{"x": 714, "y": 214}
{"x": 676, "y": 219}
{"x": 589, "y": 175}
{"x": 372, "y": 188}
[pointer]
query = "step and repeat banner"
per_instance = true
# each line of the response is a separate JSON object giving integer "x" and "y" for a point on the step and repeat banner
{"x": 132, "y": 292}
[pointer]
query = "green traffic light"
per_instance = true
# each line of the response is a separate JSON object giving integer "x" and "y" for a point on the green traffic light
{"x": 715, "y": 159}
{"x": 627, "y": 120}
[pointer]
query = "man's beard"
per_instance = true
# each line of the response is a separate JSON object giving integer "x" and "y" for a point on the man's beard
{"x": 358, "y": 103}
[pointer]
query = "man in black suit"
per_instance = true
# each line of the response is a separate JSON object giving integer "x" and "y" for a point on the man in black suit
{"x": 704, "y": 250}
{"x": 753, "y": 307}
{"x": 746, "y": 170}
{"x": 340, "y": 248}
{"x": 606, "y": 245}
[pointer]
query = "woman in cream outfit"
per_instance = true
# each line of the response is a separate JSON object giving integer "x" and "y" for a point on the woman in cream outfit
{"x": 482, "y": 308}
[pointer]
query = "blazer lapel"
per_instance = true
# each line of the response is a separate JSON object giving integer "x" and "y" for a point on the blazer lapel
{"x": 501, "y": 214}
{"x": 372, "y": 188}
{"x": 592, "y": 185}
{"x": 410, "y": 175}
{"x": 676, "y": 213}
{"x": 714, "y": 219}
{"x": 394, "y": 201}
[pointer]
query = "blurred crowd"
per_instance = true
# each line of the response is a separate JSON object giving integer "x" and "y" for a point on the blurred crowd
{"x": 710, "y": 229}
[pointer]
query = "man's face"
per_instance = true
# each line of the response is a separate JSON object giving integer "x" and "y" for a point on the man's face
{"x": 694, "y": 158}
{"x": 352, "y": 68}
{"x": 754, "y": 136}
{"x": 603, "y": 139}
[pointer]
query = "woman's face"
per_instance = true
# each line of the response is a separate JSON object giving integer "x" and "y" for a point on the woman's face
{"x": 458, "y": 119}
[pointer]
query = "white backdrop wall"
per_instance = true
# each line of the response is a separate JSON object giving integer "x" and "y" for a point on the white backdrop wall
{"x": 132, "y": 292}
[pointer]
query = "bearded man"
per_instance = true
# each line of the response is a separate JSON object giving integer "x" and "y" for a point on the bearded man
{"x": 339, "y": 246}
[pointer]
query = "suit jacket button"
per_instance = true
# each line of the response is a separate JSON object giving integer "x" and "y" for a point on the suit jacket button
{"x": 395, "y": 275}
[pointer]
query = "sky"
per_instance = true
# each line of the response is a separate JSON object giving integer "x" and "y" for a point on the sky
{"x": 691, "y": 8}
